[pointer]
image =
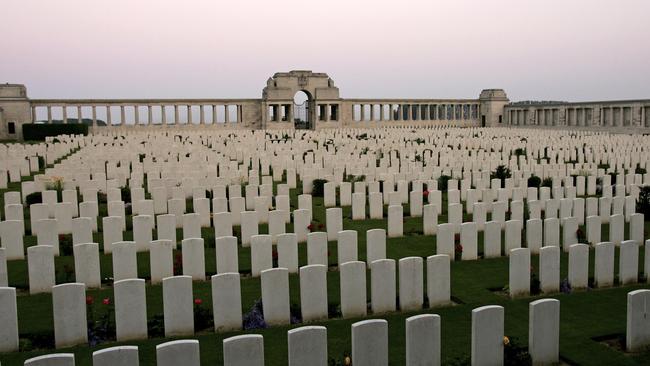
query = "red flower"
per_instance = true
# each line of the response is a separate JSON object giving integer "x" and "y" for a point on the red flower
{"x": 89, "y": 300}
{"x": 458, "y": 248}
{"x": 425, "y": 193}
{"x": 106, "y": 301}
{"x": 198, "y": 301}
{"x": 275, "y": 254}
{"x": 310, "y": 227}
{"x": 320, "y": 226}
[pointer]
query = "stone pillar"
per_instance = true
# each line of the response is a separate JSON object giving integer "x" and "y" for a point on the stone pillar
{"x": 150, "y": 116}
{"x": 122, "y": 116}
{"x": 327, "y": 112}
{"x": 226, "y": 117}
{"x": 79, "y": 116}
{"x": 94, "y": 108}
{"x": 214, "y": 114}
{"x": 163, "y": 115}
{"x": 65, "y": 114}
{"x": 136, "y": 114}
{"x": 34, "y": 114}
{"x": 290, "y": 113}
{"x": 239, "y": 113}
{"x": 108, "y": 116}
{"x": 362, "y": 113}
{"x": 381, "y": 112}
{"x": 189, "y": 114}
{"x": 372, "y": 112}
{"x": 49, "y": 114}
{"x": 201, "y": 115}
{"x": 175, "y": 114}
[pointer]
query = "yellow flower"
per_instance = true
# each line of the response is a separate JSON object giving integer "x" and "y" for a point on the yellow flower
{"x": 506, "y": 341}
{"x": 348, "y": 361}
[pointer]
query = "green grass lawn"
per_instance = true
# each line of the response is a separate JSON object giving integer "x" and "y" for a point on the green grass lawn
{"x": 585, "y": 315}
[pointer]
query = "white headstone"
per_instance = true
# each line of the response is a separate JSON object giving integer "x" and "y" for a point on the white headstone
{"x": 178, "y": 309}
{"x": 370, "y": 343}
{"x": 544, "y": 331}
{"x": 487, "y": 335}
{"x": 130, "y": 309}
{"x": 313, "y": 292}
{"x": 69, "y": 308}
{"x": 226, "y": 302}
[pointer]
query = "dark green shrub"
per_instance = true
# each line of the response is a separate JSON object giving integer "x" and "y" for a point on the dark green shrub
{"x": 32, "y": 198}
{"x": 640, "y": 170}
{"x": 515, "y": 354}
{"x": 520, "y": 151}
{"x": 125, "y": 193}
{"x": 39, "y": 131}
{"x": 534, "y": 181}
{"x": 547, "y": 182}
{"x": 318, "y": 189}
{"x": 502, "y": 172}
{"x": 643, "y": 202}
{"x": 443, "y": 182}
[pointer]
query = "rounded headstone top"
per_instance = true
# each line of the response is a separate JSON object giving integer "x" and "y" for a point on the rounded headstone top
{"x": 493, "y": 94}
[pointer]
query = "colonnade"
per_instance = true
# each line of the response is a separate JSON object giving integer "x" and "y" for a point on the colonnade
{"x": 429, "y": 111}
{"x": 325, "y": 112}
{"x": 143, "y": 114}
{"x": 610, "y": 115}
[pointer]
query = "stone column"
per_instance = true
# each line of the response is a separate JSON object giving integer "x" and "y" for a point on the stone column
{"x": 189, "y": 114}
{"x": 136, "y": 114}
{"x": 214, "y": 114}
{"x": 65, "y": 114}
{"x": 150, "y": 116}
{"x": 390, "y": 112}
{"x": 122, "y": 116}
{"x": 94, "y": 108}
{"x": 175, "y": 114}
{"x": 362, "y": 113}
{"x": 201, "y": 115}
{"x": 291, "y": 113}
{"x": 226, "y": 117}
{"x": 49, "y": 114}
{"x": 327, "y": 112}
{"x": 108, "y": 116}
{"x": 163, "y": 116}
{"x": 79, "y": 116}
{"x": 33, "y": 114}
{"x": 381, "y": 112}
{"x": 240, "y": 116}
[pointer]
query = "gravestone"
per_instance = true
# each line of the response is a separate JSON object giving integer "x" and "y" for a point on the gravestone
{"x": 307, "y": 346}
{"x": 227, "y": 254}
{"x": 353, "y": 289}
{"x": 383, "y": 286}
{"x": 604, "y": 264}
{"x": 544, "y": 331}
{"x": 313, "y": 292}
{"x": 9, "y": 320}
{"x": 549, "y": 269}
{"x": 275, "y": 296}
{"x": 411, "y": 283}
{"x": 69, "y": 309}
{"x": 226, "y": 302}
{"x": 423, "y": 340}
{"x": 116, "y": 356}
{"x": 182, "y": 352}
{"x": 161, "y": 260}
{"x": 487, "y": 335}
{"x": 243, "y": 350}
{"x": 370, "y": 343}
{"x": 40, "y": 266}
{"x": 637, "y": 335}
{"x": 130, "y": 309}
{"x": 178, "y": 309}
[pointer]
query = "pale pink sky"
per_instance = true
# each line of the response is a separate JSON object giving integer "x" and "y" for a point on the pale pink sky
{"x": 551, "y": 49}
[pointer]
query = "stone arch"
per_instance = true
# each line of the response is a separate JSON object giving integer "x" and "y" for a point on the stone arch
{"x": 283, "y": 86}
